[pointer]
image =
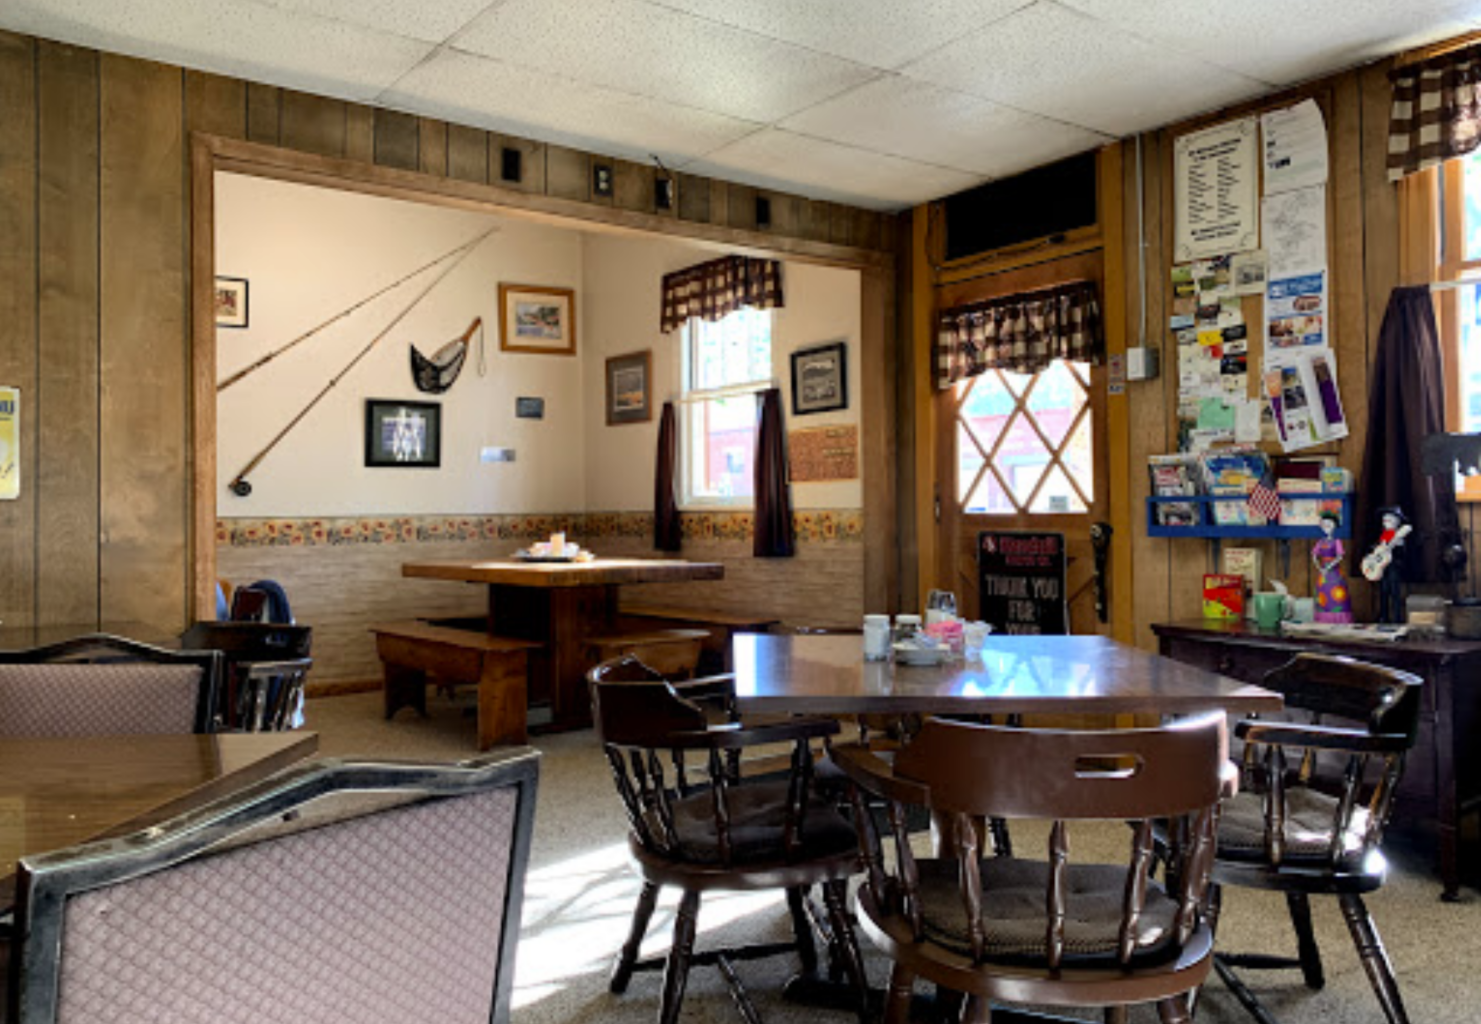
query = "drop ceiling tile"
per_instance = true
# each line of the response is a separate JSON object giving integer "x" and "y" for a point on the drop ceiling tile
{"x": 826, "y": 170}
{"x": 880, "y": 33}
{"x": 475, "y": 90}
{"x": 1282, "y": 42}
{"x": 637, "y": 47}
{"x": 432, "y": 22}
{"x": 232, "y": 37}
{"x": 913, "y": 119}
{"x": 1063, "y": 64}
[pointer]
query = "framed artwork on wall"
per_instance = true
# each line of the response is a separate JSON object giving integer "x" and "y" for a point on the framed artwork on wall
{"x": 536, "y": 319}
{"x": 403, "y": 433}
{"x": 630, "y": 388}
{"x": 820, "y": 378}
{"x": 231, "y": 302}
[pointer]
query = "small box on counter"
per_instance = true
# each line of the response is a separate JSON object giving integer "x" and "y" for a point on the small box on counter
{"x": 1223, "y": 596}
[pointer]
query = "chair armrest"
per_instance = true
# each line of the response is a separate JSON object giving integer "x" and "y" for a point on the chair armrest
{"x": 870, "y": 772}
{"x": 1322, "y": 737}
{"x": 734, "y": 735}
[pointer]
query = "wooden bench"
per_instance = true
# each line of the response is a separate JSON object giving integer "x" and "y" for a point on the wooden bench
{"x": 413, "y": 649}
{"x": 720, "y": 626}
{"x": 673, "y": 653}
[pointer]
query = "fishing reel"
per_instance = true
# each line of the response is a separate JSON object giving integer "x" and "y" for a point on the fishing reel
{"x": 240, "y": 487}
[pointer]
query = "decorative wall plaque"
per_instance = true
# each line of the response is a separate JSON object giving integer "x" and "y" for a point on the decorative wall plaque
{"x": 824, "y": 453}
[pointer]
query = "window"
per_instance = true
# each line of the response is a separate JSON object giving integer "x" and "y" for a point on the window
{"x": 726, "y": 363}
{"x": 1024, "y": 442}
{"x": 1460, "y": 307}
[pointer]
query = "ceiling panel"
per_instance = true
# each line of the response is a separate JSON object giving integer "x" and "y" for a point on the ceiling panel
{"x": 638, "y": 47}
{"x": 826, "y": 170}
{"x": 487, "y": 93}
{"x": 1053, "y": 61}
{"x": 925, "y": 122}
{"x": 432, "y": 22}
{"x": 232, "y": 37}
{"x": 881, "y": 33}
{"x": 1283, "y": 42}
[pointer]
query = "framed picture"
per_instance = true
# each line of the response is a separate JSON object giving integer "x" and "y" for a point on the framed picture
{"x": 820, "y": 378}
{"x": 535, "y": 319}
{"x": 629, "y": 388}
{"x": 402, "y": 433}
{"x": 231, "y": 302}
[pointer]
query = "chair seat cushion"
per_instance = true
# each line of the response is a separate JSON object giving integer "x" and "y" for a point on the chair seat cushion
{"x": 1013, "y": 918}
{"x": 1310, "y": 816}
{"x": 758, "y": 815}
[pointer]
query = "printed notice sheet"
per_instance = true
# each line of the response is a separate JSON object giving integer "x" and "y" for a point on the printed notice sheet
{"x": 1215, "y": 190}
{"x": 10, "y": 444}
{"x": 1295, "y": 147}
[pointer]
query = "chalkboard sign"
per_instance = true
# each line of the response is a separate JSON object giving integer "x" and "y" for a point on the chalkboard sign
{"x": 1021, "y": 582}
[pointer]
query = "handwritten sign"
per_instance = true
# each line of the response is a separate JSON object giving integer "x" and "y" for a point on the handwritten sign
{"x": 824, "y": 453}
{"x": 1021, "y": 582}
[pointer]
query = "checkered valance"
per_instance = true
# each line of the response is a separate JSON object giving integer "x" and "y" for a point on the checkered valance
{"x": 720, "y": 287}
{"x": 1436, "y": 112}
{"x": 1023, "y": 333}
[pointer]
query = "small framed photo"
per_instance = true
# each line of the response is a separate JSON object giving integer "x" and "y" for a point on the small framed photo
{"x": 402, "y": 433}
{"x": 231, "y": 302}
{"x": 535, "y": 319}
{"x": 629, "y": 388}
{"x": 820, "y": 378}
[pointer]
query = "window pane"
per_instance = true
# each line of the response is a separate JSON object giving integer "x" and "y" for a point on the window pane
{"x": 1057, "y": 497}
{"x": 1078, "y": 459}
{"x": 1472, "y": 178}
{"x": 1022, "y": 458}
{"x": 986, "y": 410}
{"x": 722, "y": 438}
{"x": 733, "y": 350}
{"x": 989, "y": 498}
{"x": 1470, "y": 357}
{"x": 1055, "y": 400}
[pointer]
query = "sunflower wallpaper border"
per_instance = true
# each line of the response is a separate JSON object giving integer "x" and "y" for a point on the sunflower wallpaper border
{"x": 813, "y": 526}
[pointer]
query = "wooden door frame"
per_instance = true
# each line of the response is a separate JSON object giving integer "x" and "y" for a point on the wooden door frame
{"x": 212, "y": 153}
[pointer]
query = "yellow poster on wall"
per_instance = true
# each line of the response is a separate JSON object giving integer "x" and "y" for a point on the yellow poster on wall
{"x": 10, "y": 444}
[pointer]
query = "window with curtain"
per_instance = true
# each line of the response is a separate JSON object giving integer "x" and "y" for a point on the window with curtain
{"x": 725, "y": 364}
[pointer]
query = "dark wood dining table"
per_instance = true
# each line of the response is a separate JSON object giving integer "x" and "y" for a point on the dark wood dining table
{"x": 55, "y": 793}
{"x": 1015, "y": 675}
{"x": 559, "y": 605}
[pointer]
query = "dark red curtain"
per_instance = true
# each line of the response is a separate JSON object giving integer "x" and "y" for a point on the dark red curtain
{"x": 773, "y": 537}
{"x": 1406, "y": 403}
{"x": 667, "y": 535}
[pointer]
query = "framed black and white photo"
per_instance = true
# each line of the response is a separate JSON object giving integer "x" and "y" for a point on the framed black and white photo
{"x": 231, "y": 302}
{"x": 402, "y": 433}
{"x": 629, "y": 388}
{"x": 820, "y": 378}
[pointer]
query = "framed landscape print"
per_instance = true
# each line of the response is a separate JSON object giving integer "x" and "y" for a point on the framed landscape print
{"x": 820, "y": 378}
{"x": 231, "y": 302}
{"x": 402, "y": 433}
{"x": 629, "y": 388}
{"x": 536, "y": 319}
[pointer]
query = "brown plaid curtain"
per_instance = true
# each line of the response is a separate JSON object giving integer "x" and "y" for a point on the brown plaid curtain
{"x": 720, "y": 287}
{"x": 1023, "y": 333}
{"x": 1436, "y": 112}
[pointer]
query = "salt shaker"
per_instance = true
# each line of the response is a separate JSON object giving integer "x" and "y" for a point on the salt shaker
{"x": 876, "y": 637}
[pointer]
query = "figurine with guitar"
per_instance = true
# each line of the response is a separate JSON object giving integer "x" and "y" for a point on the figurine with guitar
{"x": 1378, "y": 565}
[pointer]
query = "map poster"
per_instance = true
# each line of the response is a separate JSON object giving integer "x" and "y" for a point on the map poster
{"x": 1021, "y": 582}
{"x": 823, "y": 453}
{"x": 10, "y": 444}
{"x": 1216, "y": 187}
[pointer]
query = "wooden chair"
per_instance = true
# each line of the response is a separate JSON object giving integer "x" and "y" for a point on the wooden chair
{"x": 341, "y": 869}
{"x": 724, "y": 832}
{"x": 265, "y": 667}
{"x": 1047, "y": 932}
{"x": 1313, "y": 803}
{"x": 99, "y": 685}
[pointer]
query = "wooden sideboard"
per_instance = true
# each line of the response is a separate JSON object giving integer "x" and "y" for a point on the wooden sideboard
{"x": 1444, "y": 769}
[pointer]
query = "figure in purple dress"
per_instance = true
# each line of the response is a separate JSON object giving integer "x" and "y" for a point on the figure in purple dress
{"x": 1333, "y": 601}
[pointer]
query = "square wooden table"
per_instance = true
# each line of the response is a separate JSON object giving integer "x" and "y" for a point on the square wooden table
{"x": 558, "y": 605}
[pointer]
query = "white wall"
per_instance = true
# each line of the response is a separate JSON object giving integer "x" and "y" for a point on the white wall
{"x": 310, "y": 253}
{"x": 623, "y": 277}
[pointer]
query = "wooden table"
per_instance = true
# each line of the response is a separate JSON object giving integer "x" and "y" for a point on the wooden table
{"x": 558, "y": 605}
{"x": 1443, "y": 776}
{"x": 58, "y": 792}
{"x": 1017, "y": 675}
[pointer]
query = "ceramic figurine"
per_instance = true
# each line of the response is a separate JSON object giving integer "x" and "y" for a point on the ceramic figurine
{"x": 1333, "y": 602}
{"x": 1382, "y": 565}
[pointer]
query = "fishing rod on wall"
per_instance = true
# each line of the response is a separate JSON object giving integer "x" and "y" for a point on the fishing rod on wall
{"x": 239, "y": 484}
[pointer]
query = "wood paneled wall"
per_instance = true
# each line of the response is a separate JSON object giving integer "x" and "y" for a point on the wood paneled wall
{"x": 95, "y": 282}
{"x": 1363, "y": 260}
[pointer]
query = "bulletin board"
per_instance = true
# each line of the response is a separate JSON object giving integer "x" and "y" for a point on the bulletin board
{"x": 820, "y": 454}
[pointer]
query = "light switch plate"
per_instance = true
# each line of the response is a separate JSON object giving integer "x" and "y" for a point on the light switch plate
{"x": 496, "y": 455}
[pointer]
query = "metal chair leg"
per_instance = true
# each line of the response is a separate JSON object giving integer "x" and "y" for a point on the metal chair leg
{"x": 1374, "y": 956}
{"x": 622, "y": 970}
{"x": 1311, "y": 957}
